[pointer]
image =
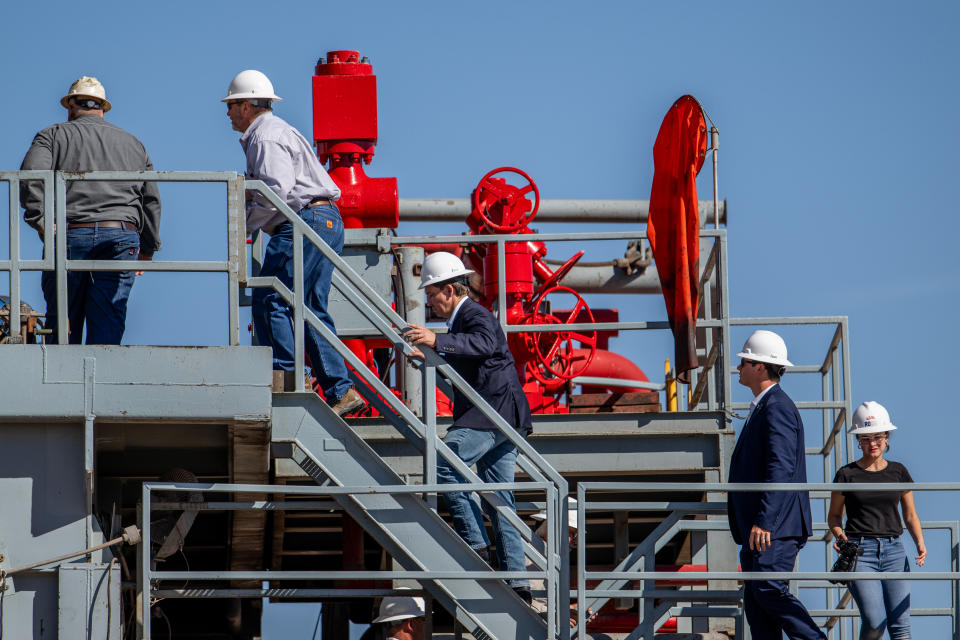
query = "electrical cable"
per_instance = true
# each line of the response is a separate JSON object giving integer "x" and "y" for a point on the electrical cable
{"x": 167, "y": 620}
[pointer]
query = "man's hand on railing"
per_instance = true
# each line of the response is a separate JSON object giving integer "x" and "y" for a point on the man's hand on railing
{"x": 415, "y": 334}
{"x": 144, "y": 256}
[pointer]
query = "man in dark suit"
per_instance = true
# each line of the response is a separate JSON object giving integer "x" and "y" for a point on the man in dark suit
{"x": 477, "y": 349}
{"x": 770, "y": 526}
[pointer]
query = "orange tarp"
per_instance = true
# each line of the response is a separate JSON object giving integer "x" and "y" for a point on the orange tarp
{"x": 674, "y": 222}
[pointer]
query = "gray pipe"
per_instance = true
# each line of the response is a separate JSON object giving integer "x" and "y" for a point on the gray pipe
{"x": 594, "y": 211}
{"x": 611, "y": 279}
{"x": 414, "y": 307}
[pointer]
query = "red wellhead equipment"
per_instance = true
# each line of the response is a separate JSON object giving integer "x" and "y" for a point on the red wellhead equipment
{"x": 345, "y": 132}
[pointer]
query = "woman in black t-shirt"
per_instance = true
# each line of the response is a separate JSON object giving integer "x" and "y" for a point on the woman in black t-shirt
{"x": 873, "y": 522}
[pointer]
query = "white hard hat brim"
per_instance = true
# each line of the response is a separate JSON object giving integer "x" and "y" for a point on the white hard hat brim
{"x": 252, "y": 96}
{"x": 397, "y": 617}
{"x": 758, "y": 358}
{"x": 877, "y": 429}
{"x": 571, "y": 518}
{"x": 445, "y": 278}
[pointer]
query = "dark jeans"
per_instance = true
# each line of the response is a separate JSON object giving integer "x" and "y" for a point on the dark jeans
{"x": 97, "y": 299}
{"x": 273, "y": 319}
{"x": 496, "y": 460}
{"x": 884, "y": 604}
{"x": 770, "y": 608}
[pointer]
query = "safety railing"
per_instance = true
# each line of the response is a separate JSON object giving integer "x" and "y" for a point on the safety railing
{"x": 150, "y": 588}
{"x": 834, "y": 403}
{"x": 421, "y": 433}
{"x": 657, "y": 604}
{"x": 55, "y": 244}
{"x": 835, "y": 398}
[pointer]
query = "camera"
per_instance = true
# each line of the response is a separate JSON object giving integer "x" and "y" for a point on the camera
{"x": 849, "y": 552}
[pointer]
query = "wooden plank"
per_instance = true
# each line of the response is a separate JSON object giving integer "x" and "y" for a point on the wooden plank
{"x": 614, "y": 399}
{"x": 249, "y": 464}
{"x": 626, "y": 408}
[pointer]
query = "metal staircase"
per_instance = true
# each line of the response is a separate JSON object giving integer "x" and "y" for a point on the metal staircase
{"x": 323, "y": 445}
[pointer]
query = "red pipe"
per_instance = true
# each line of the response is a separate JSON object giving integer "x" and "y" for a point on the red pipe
{"x": 607, "y": 364}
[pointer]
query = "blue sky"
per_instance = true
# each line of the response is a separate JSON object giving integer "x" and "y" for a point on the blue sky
{"x": 837, "y": 124}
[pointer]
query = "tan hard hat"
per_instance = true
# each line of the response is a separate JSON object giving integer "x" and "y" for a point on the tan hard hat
{"x": 88, "y": 87}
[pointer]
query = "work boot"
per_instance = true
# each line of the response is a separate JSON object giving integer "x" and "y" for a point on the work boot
{"x": 348, "y": 403}
{"x": 524, "y": 594}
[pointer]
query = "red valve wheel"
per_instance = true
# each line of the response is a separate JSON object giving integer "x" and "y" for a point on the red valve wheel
{"x": 561, "y": 272}
{"x": 553, "y": 350}
{"x": 492, "y": 191}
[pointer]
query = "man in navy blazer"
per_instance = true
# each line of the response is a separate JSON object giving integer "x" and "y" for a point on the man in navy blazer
{"x": 770, "y": 526}
{"x": 477, "y": 349}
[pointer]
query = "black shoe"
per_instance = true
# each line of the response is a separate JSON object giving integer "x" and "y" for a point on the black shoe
{"x": 524, "y": 594}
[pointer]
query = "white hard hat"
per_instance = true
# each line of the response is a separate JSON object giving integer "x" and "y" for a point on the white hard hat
{"x": 440, "y": 267}
{"x": 571, "y": 514}
{"x": 395, "y": 608}
{"x": 870, "y": 417}
{"x": 87, "y": 87}
{"x": 765, "y": 346}
{"x": 251, "y": 85}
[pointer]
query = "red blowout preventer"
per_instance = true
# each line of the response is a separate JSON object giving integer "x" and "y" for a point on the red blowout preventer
{"x": 345, "y": 131}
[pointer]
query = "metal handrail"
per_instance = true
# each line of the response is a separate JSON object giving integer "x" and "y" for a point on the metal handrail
{"x": 147, "y": 576}
{"x": 645, "y": 551}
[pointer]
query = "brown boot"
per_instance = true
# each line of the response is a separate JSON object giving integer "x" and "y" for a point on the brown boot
{"x": 348, "y": 403}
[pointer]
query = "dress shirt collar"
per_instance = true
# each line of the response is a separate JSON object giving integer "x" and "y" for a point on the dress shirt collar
{"x": 757, "y": 398}
{"x": 257, "y": 122}
{"x": 453, "y": 316}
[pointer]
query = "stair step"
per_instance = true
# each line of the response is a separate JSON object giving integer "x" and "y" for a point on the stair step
{"x": 307, "y": 431}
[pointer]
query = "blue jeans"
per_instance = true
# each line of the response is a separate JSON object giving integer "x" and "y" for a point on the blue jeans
{"x": 883, "y": 604}
{"x": 97, "y": 299}
{"x": 496, "y": 460}
{"x": 770, "y": 608}
{"x": 273, "y": 319}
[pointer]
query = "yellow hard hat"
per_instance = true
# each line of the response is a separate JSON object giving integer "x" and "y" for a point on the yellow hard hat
{"x": 88, "y": 87}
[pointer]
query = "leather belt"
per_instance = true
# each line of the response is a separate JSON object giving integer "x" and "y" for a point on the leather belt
{"x": 103, "y": 224}
{"x": 317, "y": 202}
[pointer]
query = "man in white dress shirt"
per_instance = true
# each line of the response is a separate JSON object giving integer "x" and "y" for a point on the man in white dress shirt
{"x": 282, "y": 158}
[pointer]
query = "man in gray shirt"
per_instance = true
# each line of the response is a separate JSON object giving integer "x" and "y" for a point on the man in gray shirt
{"x": 105, "y": 220}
